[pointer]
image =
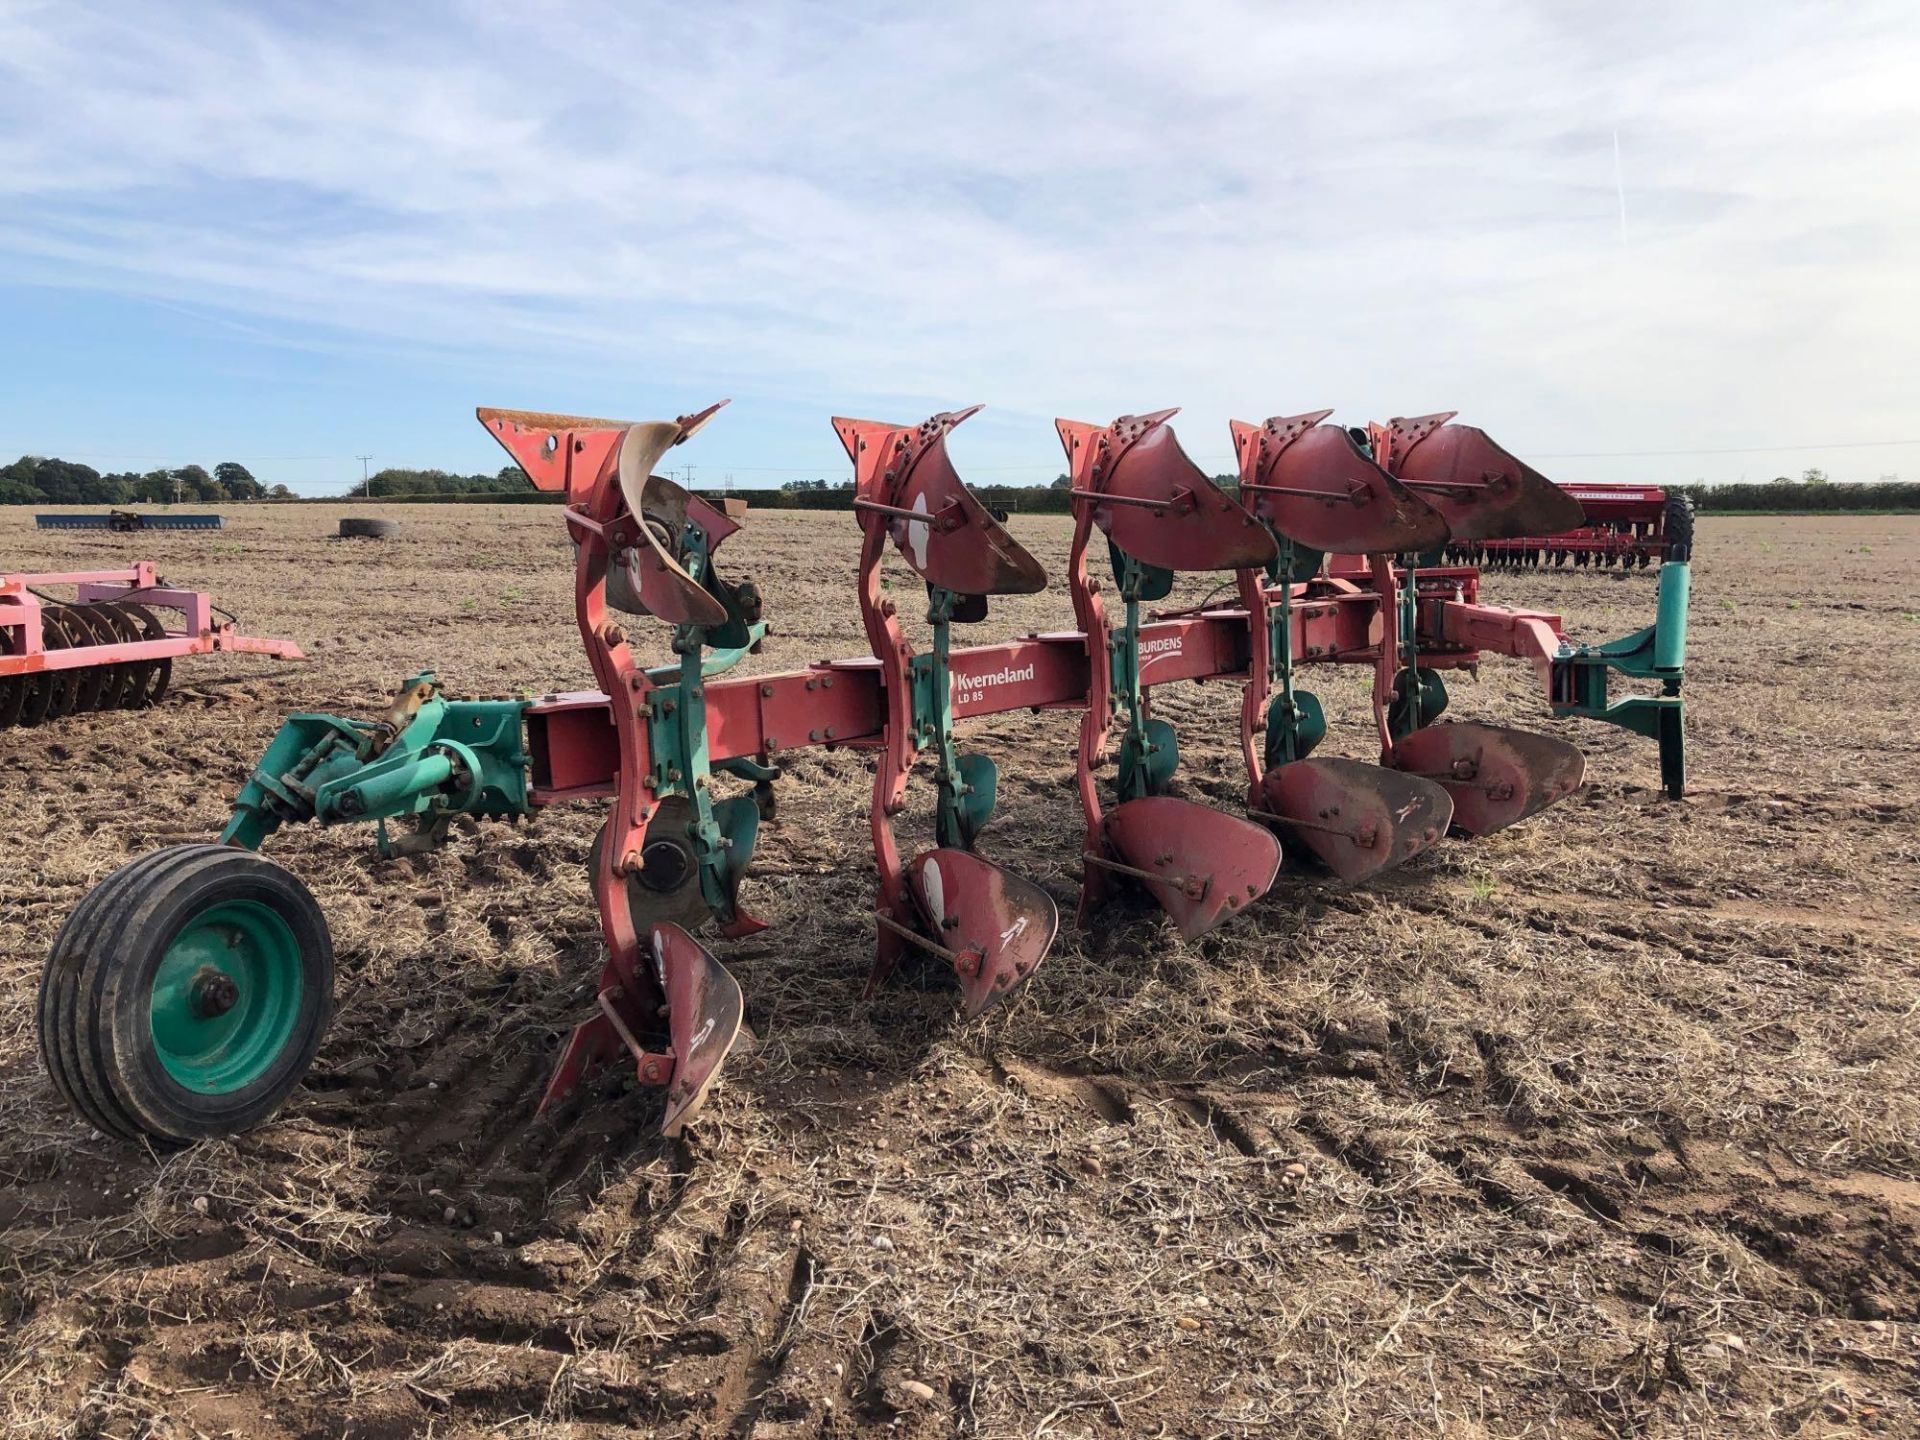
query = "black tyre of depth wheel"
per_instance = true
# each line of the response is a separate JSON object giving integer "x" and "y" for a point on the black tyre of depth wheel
{"x": 105, "y": 998}
{"x": 368, "y": 529}
{"x": 1677, "y": 529}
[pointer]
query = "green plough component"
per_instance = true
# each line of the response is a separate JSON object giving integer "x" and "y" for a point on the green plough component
{"x": 1296, "y": 724}
{"x": 1296, "y": 721}
{"x": 721, "y": 832}
{"x": 714, "y": 662}
{"x": 438, "y": 758}
{"x": 965, "y": 786}
{"x": 1149, "y": 751}
{"x": 1422, "y": 699}
{"x": 1658, "y": 652}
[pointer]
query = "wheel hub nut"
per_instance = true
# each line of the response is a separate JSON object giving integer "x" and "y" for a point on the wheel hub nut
{"x": 214, "y": 993}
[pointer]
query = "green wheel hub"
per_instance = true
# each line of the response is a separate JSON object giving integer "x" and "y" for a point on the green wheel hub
{"x": 226, "y": 997}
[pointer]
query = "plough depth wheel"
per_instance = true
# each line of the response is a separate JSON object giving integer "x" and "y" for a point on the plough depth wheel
{"x": 187, "y": 995}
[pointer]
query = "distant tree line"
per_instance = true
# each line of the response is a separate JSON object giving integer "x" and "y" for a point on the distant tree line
{"x": 38, "y": 480}
{"x": 390, "y": 484}
{"x": 1810, "y": 494}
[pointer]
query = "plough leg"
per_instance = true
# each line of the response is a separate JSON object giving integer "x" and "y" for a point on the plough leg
{"x": 1133, "y": 481}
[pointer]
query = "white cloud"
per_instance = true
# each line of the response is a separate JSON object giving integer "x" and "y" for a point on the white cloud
{"x": 1080, "y": 209}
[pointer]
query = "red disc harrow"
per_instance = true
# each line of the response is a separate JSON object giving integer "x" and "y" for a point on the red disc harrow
{"x": 111, "y": 647}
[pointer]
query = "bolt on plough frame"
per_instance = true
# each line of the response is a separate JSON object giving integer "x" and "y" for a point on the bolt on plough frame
{"x": 201, "y": 1021}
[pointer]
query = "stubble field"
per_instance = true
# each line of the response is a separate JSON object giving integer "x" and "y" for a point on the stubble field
{"x": 1606, "y": 1125}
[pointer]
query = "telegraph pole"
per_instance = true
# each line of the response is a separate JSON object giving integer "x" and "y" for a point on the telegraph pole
{"x": 363, "y": 459}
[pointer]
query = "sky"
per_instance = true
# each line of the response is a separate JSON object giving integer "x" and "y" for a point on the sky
{"x": 1633, "y": 241}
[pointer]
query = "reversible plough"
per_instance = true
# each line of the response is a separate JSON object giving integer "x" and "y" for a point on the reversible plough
{"x": 106, "y": 649}
{"x": 199, "y": 1016}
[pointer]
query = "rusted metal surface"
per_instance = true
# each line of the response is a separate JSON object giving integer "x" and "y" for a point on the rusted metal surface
{"x": 1203, "y": 866}
{"x": 553, "y": 449}
{"x": 665, "y": 886}
{"x": 1358, "y": 819}
{"x": 1152, "y": 500}
{"x": 994, "y": 927}
{"x": 1312, "y": 483}
{"x": 1497, "y": 776}
{"x": 647, "y": 578}
{"x": 1484, "y": 492}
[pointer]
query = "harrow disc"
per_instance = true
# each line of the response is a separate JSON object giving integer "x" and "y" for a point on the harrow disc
{"x": 1497, "y": 776}
{"x": 998, "y": 926}
{"x": 118, "y": 679}
{"x": 1203, "y": 866}
{"x": 90, "y": 681}
{"x": 1359, "y": 819}
{"x": 44, "y": 692}
{"x": 13, "y": 688}
{"x": 148, "y": 684}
